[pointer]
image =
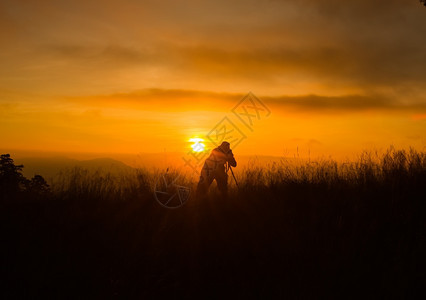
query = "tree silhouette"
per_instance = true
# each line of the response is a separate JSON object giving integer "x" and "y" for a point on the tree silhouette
{"x": 38, "y": 185}
{"x": 11, "y": 178}
{"x": 12, "y": 181}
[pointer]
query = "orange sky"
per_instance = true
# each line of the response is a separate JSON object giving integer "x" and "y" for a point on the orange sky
{"x": 145, "y": 76}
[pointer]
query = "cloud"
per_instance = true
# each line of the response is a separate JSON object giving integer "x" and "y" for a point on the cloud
{"x": 192, "y": 100}
{"x": 378, "y": 65}
{"x": 111, "y": 53}
{"x": 161, "y": 100}
{"x": 359, "y": 45}
{"x": 343, "y": 103}
{"x": 349, "y": 65}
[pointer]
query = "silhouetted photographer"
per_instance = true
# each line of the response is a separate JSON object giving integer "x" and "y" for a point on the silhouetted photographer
{"x": 215, "y": 168}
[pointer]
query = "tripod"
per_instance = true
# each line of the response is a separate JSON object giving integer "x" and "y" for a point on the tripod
{"x": 232, "y": 172}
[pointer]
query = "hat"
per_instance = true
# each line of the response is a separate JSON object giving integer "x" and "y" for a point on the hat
{"x": 225, "y": 146}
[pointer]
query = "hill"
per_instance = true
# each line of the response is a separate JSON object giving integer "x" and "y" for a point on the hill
{"x": 49, "y": 167}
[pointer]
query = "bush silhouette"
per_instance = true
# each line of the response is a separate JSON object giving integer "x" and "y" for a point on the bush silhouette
{"x": 37, "y": 185}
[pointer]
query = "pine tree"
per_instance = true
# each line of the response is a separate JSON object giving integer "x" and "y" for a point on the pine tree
{"x": 12, "y": 181}
{"x": 11, "y": 178}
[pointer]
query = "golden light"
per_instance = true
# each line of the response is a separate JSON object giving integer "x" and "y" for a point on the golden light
{"x": 197, "y": 145}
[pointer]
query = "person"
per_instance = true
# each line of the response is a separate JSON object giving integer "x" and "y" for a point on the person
{"x": 215, "y": 168}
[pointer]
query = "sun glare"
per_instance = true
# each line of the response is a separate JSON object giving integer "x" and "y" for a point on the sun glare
{"x": 197, "y": 145}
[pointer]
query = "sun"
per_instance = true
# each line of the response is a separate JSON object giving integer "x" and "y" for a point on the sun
{"x": 197, "y": 145}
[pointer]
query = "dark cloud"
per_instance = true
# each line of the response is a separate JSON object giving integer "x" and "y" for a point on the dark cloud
{"x": 347, "y": 103}
{"x": 161, "y": 99}
{"x": 364, "y": 45}
{"x": 377, "y": 65}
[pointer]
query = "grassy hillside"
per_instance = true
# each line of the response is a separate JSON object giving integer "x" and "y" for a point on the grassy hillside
{"x": 292, "y": 230}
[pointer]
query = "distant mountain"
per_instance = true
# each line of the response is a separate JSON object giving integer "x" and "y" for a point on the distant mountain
{"x": 50, "y": 167}
{"x": 51, "y": 164}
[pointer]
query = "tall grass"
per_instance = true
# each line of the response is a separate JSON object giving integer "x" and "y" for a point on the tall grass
{"x": 79, "y": 183}
{"x": 387, "y": 170}
{"x": 293, "y": 229}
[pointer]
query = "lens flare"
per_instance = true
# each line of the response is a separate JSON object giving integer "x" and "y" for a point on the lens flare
{"x": 197, "y": 145}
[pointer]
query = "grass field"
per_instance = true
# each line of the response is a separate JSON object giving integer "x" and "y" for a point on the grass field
{"x": 294, "y": 229}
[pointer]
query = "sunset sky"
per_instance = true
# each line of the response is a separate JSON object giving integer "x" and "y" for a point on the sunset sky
{"x": 138, "y": 76}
